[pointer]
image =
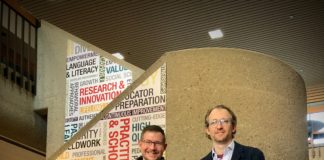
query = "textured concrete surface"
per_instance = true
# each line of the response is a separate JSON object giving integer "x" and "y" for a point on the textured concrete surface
{"x": 18, "y": 121}
{"x": 267, "y": 95}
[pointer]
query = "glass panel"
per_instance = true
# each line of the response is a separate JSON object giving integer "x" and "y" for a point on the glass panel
{"x": 26, "y": 32}
{"x": 32, "y": 36}
{"x": 5, "y": 16}
{"x": 12, "y": 21}
{"x": 19, "y": 26}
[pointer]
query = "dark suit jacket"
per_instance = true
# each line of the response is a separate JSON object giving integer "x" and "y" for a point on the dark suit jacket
{"x": 242, "y": 152}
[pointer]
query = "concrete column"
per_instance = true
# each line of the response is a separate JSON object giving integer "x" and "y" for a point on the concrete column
{"x": 267, "y": 95}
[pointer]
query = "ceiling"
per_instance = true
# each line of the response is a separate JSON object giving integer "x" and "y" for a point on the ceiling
{"x": 143, "y": 30}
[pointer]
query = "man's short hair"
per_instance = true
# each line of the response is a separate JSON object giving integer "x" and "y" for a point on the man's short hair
{"x": 153, "y": 128}
{"x": 221, "y": 106}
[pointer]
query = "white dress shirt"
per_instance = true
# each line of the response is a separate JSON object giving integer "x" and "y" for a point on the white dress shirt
{"x": 228, "y": 152}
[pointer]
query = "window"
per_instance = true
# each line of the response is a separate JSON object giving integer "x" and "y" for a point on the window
{"x": 18, "y": 56}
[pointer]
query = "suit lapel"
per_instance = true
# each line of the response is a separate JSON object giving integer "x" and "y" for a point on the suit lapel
{"x": 238, "y": 152}
{"x": 209, "y": 156}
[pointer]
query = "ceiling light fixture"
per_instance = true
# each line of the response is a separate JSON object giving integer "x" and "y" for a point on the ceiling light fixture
{"x": 118, "y": 55}
{"x": 216, "y": 34}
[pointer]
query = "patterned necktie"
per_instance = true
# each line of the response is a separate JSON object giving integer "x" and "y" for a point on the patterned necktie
{"x": 220, "y": 156}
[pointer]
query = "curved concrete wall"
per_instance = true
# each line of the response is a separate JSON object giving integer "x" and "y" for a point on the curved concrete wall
{"x": 267, "y": 95}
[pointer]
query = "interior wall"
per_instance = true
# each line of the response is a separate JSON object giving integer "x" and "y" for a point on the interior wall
{"x": 18, "y": 121}
{"x": 12, "y": 152}
{"x": 51, "y": 82}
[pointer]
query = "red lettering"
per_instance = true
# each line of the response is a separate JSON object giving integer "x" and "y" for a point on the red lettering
{"x": 124, "y": 139}
{"x": 113, "y": 85}
{"x": 93, "y": 89}
{"x": 113, "y": 145}
{"x": 126, "y": 121}
{"x": 112, "y": 156}
{"x": 81, "y": 91}
{"x": 124, "y": 143}
{"x": 124, "y": 156}
{"x": 113, "y": 134}
{"x": 113, "y": 141}
{"x": 97, "y": 89}
{"x": 124, "y": 135}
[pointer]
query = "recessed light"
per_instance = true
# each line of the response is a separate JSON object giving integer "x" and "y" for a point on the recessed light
{"x": 118, "y": 55}
{"x": 216, "y": 34}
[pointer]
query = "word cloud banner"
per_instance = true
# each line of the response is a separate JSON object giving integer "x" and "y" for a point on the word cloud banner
{"x": 116, "y": 135}
{"x": 92, "y": 81}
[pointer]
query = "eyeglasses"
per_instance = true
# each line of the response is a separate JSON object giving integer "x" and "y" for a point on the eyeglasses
{"x": 149, "y": 143}
{"x": 215, "y": 122}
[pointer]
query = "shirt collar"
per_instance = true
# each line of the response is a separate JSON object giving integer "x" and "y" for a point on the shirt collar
{"x": 230, "y": 147}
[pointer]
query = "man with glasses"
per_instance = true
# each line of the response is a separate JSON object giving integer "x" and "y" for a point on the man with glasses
{"x": 220, "y": 126}
{"x": 152, "y": 143}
